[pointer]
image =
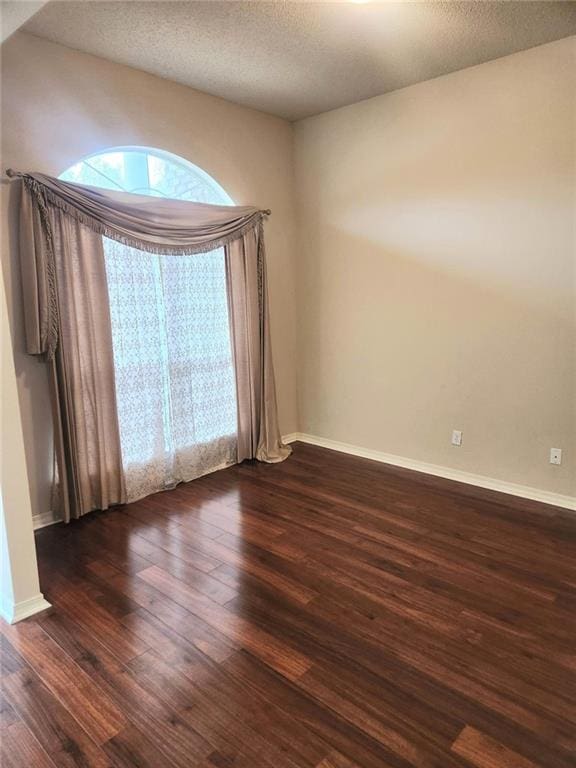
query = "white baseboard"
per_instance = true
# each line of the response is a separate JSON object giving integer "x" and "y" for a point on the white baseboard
{"x": 524, "y": 491}
{"x": 23, "y": 610}
{"x": 292, "y": 437}
{"x": 44, "y": 519}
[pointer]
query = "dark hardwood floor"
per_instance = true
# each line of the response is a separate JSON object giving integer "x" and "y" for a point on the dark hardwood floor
{"x": 327, "y": 612}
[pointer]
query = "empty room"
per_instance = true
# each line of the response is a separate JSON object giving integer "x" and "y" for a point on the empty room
{"x": 288, "y": 396}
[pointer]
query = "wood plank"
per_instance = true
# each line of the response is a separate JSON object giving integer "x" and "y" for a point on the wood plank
{"x": 144, "y": 711}
{"x": 271, "y": 650}
{"x": 132, "y": 747}
{"x": 336, "y": 760}
{"x": 94, "y": 618}
{"x": 19, "y": 749}
{"x": 484, "y": 752}
{"x": 254, "y": 566}
{"x": 10, "y": 661}
{"x": 220, "y": 711}
{"x": 56, "y": 730}
{"x": 72, "y": 687}
{"x": 7, "y": 714}
{"x": 172, "y": 616}
{"x": 324, "y": 612}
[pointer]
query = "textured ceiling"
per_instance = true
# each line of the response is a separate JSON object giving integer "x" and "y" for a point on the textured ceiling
{"x": 296, "y": 59}
{"x": 13, "y": 13}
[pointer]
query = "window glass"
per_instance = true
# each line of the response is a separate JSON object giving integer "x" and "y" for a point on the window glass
{"x": 147, "y": 172}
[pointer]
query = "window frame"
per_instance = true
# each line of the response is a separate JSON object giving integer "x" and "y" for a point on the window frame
{"x": 166, "y": 156}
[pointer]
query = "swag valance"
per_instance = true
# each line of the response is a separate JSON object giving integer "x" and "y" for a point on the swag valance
{"x": 151, "y": 224}
{"x": 67, "y": 318}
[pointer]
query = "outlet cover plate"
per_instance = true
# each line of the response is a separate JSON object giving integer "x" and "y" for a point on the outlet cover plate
{"x": 555, "y": 455}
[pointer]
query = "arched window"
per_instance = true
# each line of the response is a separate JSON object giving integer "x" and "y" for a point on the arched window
{"x": 174, "y": 372}
{"x": 147, "y": 171}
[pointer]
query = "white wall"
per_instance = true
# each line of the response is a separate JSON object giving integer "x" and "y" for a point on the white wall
{"x": 59, "y": 105}
{"x": 437, "y": 270}
{"x": 19, "y": 588}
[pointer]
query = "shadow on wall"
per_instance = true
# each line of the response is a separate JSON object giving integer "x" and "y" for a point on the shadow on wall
{"x": 402, "y": 346}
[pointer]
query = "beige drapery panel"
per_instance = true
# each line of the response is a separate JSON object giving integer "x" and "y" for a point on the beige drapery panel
{"x": 67, "y": 318}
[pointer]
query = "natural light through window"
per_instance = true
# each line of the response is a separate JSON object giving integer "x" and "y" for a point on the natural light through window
{"x": 175, "y": 382}
{"x": 147, "y": 172}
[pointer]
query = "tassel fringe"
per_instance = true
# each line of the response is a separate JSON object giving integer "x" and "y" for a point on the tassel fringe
{"x": 45, "y": 197}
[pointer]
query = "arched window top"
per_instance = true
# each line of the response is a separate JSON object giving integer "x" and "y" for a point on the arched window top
{"x": 147, "y": 171}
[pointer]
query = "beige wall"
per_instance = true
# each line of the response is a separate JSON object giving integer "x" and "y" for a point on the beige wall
{"x": 436, "y": 262}
{"x": 59, "y": 105}
{"x": 437, "y": 270}
{"x": 19, "y": 586}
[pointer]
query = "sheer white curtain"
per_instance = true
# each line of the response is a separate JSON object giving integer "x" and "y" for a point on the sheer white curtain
{"x": 175, "y": 382}
{"x": 172, "y": 353}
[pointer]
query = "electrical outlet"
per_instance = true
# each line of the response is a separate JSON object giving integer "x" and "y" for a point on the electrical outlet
{"x": 555, "y": 455}
{"x": 456, "y": 437}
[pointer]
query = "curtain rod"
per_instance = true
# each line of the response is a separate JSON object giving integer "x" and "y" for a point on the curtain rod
{"x": 12, "y": 174}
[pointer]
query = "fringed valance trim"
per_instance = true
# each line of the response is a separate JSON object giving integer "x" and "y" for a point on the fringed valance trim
{"x": 45, "y": 196}
{"x": 96, "y": 225}
{"x": 260, "y": 266}
{"x": 52, "y": 332}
